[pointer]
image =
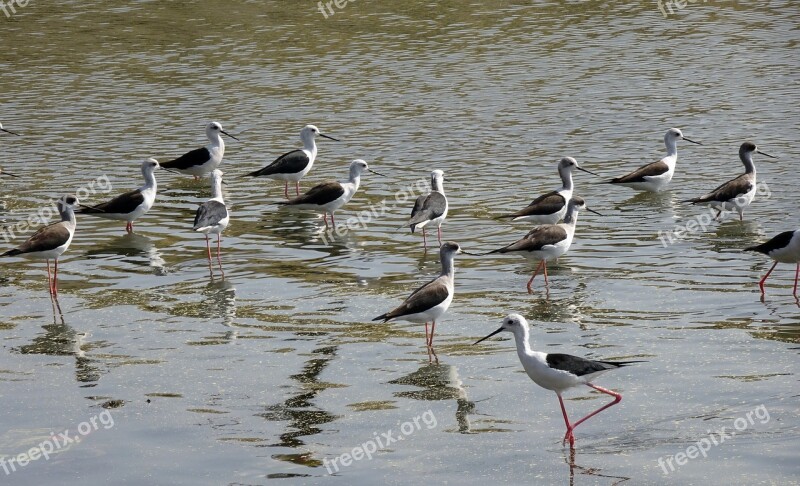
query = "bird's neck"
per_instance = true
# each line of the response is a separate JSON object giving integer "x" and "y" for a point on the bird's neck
{"x": 749, "y": 165}
{"x": 216, "y": 189}
{"x": 566, "y": 179}
{"x": 448, "y": 266}
{"x": 571, "y": 218}
{"x": 438, "y": 187}
{"x": 310, "y": 145}
{"x": 68, "y": 215}
{"x": 672, "y": 147}
{"x": 523, "y": 345}
{"x": 149, "y": 179}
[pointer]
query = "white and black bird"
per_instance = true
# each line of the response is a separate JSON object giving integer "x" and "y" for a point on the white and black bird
{"x": 783, "y": 248}
{"x": 8, "y": 131}
{"x": 429, "y": 302}
{"x": 332, "y": 195}
{"x": 548, "y": 241}
{"x": 551, "y": 207}
{"x": 739, "y": 192}
{"x": 131, "y": 205}
{"x": 51, "y": 241}
{"x": 558, "y": 372}
{"x": 212, "y": 216}
{"x": 292, "y": 166}
{"x": 202, "y": 161}
{"x": 655, "y": 177}
{"x": 430, "y": 209}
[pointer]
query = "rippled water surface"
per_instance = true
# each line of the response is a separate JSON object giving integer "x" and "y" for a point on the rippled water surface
{"x": 277, "y": 369}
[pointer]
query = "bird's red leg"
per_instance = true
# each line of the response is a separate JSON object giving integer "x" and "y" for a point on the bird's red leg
{"x": 197, "y": 178}
{"x": 546, "y": 283}
{"x": 796, "y": 275}
{"x": 333, "y": 221}
{"x": 440, "y": 235}
{"x": 568, "y": 435}
{"x": 219, "y": 238}
{"x": 424, "y": 238}
{"x": 617, "y": 399}
{"x": 49, "y": 278}
{"x": 55, "y": 278}
{"x": 761, "y": 283}
{"x": 297, "y": 187}
{"x": 433, "y": 329}
{"x": 208, "y": 249}
{"x": 427, "y": 339}
{"x": 325, "y": 217}
{"x": 530, "y": 290}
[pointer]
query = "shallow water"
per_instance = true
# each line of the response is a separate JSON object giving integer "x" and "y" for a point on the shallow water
{"x": 277, "y": 368}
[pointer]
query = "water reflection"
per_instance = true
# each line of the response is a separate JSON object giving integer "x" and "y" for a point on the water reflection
{"x": 299, "y": 410}
{"x": 569, "y": 459}
{"x": 439, "y": 382}
{"x": 134, "y": 248}
{"x": 60, "y": 339}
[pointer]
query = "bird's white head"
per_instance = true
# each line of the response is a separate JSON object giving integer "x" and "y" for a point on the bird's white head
{"x": 513, "y": 323}
{"x": 437, "y": 180}
{"x": 149, "y": 166}
{"x": 214, "y": 129}
{"x": 673, "y": 135}
{"x": 358, "y": 166}
{"x": 568, "y": 164}
{"x": 310, "y": 132}
{"x": 217, "y": 174}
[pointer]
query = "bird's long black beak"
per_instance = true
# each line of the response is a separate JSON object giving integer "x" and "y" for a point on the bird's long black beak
{"x": 91, "y": 207}
{"x": 9, "y": 131}
{"x": 228, "y": 134}
{"x": 2, "y": 172}
{"x": 593, "y": 211}
{"x": 487, "y": 337}
{"x": 768, "y": 155}
{"x": 374, "y": 172}
{"x": 169, "y": 170}
{"x": 329, "y": 138}
{"x": 588, "y": 171}
{"x": 690, "y": 140}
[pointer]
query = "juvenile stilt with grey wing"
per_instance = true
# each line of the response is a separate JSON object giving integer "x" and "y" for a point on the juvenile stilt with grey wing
{"x": 212, "y": 216}
{"x": 430, "y": 209}
{"x": 429, "y": 302}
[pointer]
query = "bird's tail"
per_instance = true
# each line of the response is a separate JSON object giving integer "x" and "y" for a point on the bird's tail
{"x": 13, "y": 252}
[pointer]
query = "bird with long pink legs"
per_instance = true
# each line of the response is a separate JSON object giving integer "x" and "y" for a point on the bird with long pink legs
{"x": 429, "y": 302}
{"x": 783, "y": 248}
{"x": 547, "y": 241}
{"x": 558, "y": 372}
{"x": 430, "y": 209}
{"x": 293, "y": 165}
{"x": 202, "y": 161}
{"x": 212, "y": 216}
{"x": 329, "y": 196}
{"x": 51, "y": 241}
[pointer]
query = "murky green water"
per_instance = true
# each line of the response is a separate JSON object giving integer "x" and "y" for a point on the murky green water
{"x": 277, "y": 368}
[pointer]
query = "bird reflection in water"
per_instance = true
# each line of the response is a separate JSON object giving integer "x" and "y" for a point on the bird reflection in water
{"x": 60, "y": 339}
{"x": 439, "y": 382}
{"x": 219, "y": 300}
{"x": 133, "y": 245}
{"x": 569, "y": 459}
{"x": 299, "y": 410}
